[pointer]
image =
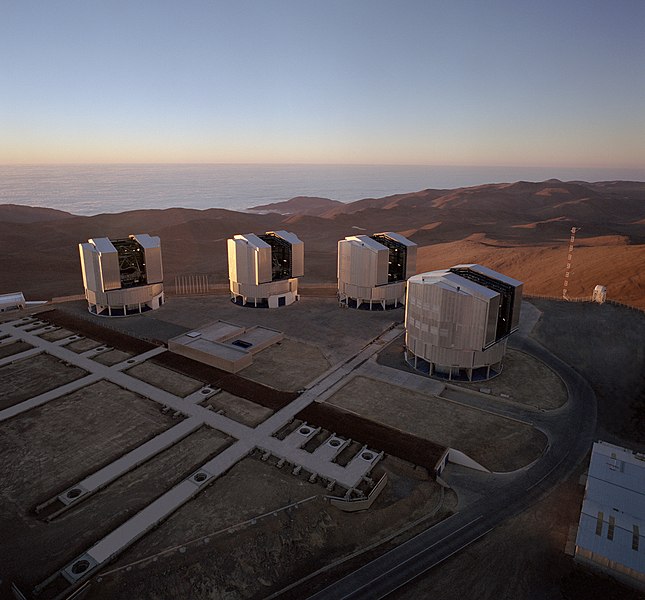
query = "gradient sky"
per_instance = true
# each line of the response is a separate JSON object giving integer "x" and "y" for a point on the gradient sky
{"x": 510, "y": 82}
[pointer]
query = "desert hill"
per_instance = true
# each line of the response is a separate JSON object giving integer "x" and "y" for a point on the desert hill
{"x": 305, "y": 205}
{"x": 520, "y": 228}
{"x": 17, "y": 213}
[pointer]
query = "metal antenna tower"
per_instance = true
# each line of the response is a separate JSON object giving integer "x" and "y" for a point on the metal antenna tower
{"x": 572, "y": 241}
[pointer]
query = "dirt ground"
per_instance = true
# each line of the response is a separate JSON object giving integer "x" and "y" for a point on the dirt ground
{"x": 33, "y": 376}
{"x": 240, "y": 410}
{"x": 526, "y": 380}
{"x": 270, "y": 552}
{"x": 112, "y": 357}
{"x": 497, "y": 443}
{"x": 230, "y": 382}
{"x": 262, "y": 557}
{"x": 14, "y": 348}
{"x": 49, "y": 448}
{"x": 25, "y": 536}
{"x": 83, "y": 345}
{"x": 165, "y": 379}
{"x": 287, "y": 365}
{"x": 523, "y": 559}
{"x": 56, "y": 334}
{"x": 605, "y": 344}
{"x": 339, "y": 333}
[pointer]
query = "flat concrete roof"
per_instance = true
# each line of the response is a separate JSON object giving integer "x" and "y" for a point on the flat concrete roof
{"x": 612, "y": 520}
{"x": 218, "y": 340}
{"x": 257, "y": 335}
{"x": 12, "y": 298}
{"x": 218, "y": 331}
{"x": 226, "y": 351}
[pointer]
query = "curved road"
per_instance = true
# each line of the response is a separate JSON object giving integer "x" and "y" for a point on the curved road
{"x": 570, "y": 430}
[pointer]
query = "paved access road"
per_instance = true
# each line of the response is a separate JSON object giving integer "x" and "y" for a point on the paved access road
{"x": 490, "y": 499}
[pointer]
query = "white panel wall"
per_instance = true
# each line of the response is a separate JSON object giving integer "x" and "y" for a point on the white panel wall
{"x": 297, "y": 259}
{"x": 263, "y": 265}
{"x": 241, "y": 261}
{"x": 360, "y": 264}
{"x": 109, "y": 269}
{"x": 152, "y": 250}
{"x": 89, "y": 266}
{"x": 448, "y": 327}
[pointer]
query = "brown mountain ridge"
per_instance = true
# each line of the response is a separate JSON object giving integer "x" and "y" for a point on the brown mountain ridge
{"x": 521, "y": 229}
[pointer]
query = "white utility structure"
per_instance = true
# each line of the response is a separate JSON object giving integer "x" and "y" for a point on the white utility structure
{"x": 599, "y": 294}
{"x": 14, "y": 301}
{"x": 457, "y": 321}
{"x": 122, "y": 276}
{"x": 612, "y": 519}
{"x": 263, "y": 270}
{"x": 372, "y": 269}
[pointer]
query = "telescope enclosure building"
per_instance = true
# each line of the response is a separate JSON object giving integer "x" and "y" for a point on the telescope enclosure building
{"x": 122, "y": 276}
{"x": 457, "y": 321}
{"x": 372, "y": 269}
{"x": 263, "y": 270}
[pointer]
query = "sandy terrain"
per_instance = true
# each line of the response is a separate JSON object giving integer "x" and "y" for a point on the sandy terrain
{"x": 267, "y": 552}
{"x": 165, "y": 379}
{"x": 18, "y": 382}
{"x": 287, "y": 365}
{"x": 531, "y": 545}
{"x": 497, "y": 443}
{"x": 521, "y": 229}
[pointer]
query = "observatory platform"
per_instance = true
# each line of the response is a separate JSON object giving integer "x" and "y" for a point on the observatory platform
{"x": 372, "y": 270}
{"x": 264, "y": 269}
{"x": 224, "y": 345}
{"x": 457, "y": 321}
{"x": 122, "y": 276}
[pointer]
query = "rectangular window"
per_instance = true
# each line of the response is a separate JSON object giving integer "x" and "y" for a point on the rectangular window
{"x": 635, "y": 537}
{"x": 599, "y": 523}
{"x": 610, "y": 530}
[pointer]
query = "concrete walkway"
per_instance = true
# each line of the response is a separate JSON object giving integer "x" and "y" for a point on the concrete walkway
{"x": 84, "y": 488}
{"x": 7, "y": 360}
{"x": 45, "y": 397}
{"x": 319, "y": 463}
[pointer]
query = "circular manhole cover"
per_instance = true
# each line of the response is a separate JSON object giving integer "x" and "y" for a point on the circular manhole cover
{"x": 80, "y": 566}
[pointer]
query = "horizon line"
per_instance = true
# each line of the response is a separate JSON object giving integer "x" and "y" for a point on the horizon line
{"x": 322, "y": 164}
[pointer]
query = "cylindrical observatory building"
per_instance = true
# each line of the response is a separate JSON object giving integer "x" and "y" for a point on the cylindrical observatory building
{"x": 372, "y": 269}
{"x": 457, "y": 321}
{"x": 122, "y": 276}
{"x": 263, "y": 270}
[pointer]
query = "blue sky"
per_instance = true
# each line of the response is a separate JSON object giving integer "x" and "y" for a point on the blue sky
{"x": 512, "y": 82}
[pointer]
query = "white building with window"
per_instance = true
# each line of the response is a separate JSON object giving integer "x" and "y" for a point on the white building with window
{"x": 373, "y": 269}
{"x": 15, "y": 301}
{"x": 612, "y": 520}
{"x": 263, "y": 270}
{"x": 122, "y": 276}
{"x": 457, "y": 321}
